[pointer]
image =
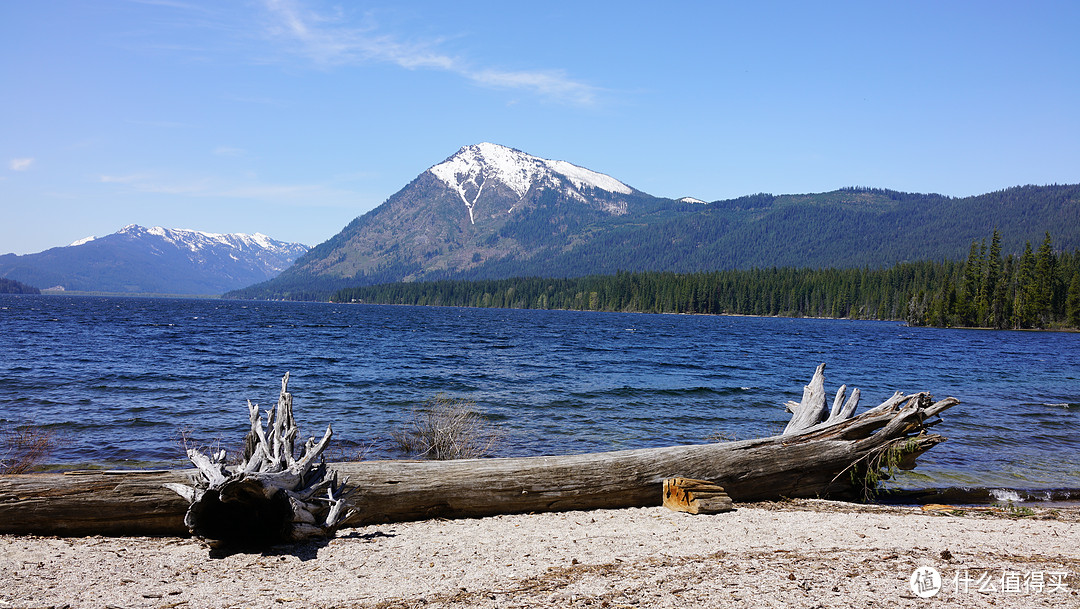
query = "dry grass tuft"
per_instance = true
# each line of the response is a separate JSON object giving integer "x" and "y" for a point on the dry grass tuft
{"x": 24, "y": 447}
{"x": 186, "y": 439}
{"x": 446, "y": 428}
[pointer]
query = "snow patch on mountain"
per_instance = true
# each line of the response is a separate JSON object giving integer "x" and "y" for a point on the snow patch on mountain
{"x": 583, "y": 178}
{"x": 82, "y": 241}
{"x": 468, "y": 171}
{"x": 690, "y": 200}
{"x": 198, "y": 241}
{"x": 512, "y": 167}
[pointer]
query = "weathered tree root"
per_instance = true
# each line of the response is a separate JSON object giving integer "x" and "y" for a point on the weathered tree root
{"x": 272, "y": 496}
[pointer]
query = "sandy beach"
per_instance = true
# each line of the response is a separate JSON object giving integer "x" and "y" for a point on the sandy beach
{"x": 789, "y": 554}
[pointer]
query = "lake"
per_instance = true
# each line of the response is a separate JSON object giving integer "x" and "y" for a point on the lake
{"x": 122, "y": 380}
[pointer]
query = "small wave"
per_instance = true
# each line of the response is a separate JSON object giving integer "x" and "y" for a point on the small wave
{"x": 646, "y": 392}
{"x": 1004, "y": 494}
{"x": 980, "y": 496}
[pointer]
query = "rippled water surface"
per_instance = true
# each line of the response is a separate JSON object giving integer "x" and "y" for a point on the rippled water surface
{"x": 119, "y": 378}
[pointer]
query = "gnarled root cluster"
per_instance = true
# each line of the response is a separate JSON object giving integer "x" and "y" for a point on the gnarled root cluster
{"x": 885, "y": 438}
{"x": 272, "y": 496}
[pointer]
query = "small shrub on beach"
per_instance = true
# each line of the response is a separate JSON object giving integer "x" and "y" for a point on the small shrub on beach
{"x": 24, "y": 447}
{"x": 721, "y": 436}
{"x": 446, "y": 428}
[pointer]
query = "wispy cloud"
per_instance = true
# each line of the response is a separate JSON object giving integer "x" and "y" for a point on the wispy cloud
{"x": 161, "y": 124}
{"x": 262, "y": 101}
{"x": 298, "y": 195}
{"x": 187, "y": 6}
{"x": 229, "y": 151}
{"x": 551, "y": 83}
{"x": 128, "y": 179}
{"x": 21, "y": 164}
{"x": 324, "y": 41}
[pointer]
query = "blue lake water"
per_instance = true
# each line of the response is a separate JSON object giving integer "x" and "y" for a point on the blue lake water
{"x": 119, "y": 378}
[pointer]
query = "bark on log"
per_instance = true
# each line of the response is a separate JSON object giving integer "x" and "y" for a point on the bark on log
{"x": 695, "y": 496}
{"x": 93, "y": 503}
{"x": 827, "y": 459}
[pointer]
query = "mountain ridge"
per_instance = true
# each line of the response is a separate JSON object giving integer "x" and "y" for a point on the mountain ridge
{"x": 490, "y": 212}
{"x": 139, "y": 260}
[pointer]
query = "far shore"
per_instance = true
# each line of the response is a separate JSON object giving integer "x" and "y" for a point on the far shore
{"x": 54, "y": 292}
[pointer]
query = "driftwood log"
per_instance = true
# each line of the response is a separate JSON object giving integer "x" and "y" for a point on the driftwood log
{"x": 837, "y": 457}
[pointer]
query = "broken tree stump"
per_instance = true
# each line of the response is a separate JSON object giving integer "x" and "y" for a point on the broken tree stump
{"x": 273, "y": 496}
{"x": 811, "y": 412}
{"x": 695, "y": 496}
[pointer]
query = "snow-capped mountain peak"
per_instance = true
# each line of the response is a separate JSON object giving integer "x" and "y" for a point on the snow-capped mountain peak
{"x": 158, "y": 260}
{"x": 196, "y": 241}
{"x": 470, "y": 169}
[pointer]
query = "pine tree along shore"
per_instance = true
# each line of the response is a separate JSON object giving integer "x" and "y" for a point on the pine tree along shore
{"x": 1036, "y": 289}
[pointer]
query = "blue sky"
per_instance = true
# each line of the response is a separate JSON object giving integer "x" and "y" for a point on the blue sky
{"x": 292, "y": 117}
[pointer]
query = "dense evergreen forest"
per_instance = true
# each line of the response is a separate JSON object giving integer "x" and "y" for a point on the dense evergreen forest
{"x": 559, "y": 237}
{"x": 1036, "y": 289}
{"x": 10, "y": 286}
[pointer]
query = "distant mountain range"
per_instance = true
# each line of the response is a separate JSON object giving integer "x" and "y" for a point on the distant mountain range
{"x": 491, "y": 212}
{"x": 138, "y": 260}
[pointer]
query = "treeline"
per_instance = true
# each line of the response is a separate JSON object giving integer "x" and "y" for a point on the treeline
{"x": 1038, "y": 289}
{"x": 10, "y": 286}
{"x": 778, "y": 291}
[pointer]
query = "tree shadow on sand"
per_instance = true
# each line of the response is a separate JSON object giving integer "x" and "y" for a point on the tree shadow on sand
{"x": 305, "y": 551}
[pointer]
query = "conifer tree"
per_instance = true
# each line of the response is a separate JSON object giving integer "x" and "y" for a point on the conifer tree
{"x": 1072, "y": 302}
{"x": 969, "y": 296}
{"x": 1024, "y": 308}
{"x": 1044, "y": 282}
{"x": 989, "y": 305}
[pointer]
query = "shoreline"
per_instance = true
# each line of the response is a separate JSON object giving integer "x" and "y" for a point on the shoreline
{"x": 796, "y": 553}
{"x": 51, "y": 292}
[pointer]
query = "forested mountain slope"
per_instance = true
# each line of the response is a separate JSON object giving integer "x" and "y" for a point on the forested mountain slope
{"x": 491, "y": 212}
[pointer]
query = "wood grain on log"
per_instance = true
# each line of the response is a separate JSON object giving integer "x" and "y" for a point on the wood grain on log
{"x": 811, "y": 409}
{"x": 695, "y": 496}
{"x": 93, "y": 503}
